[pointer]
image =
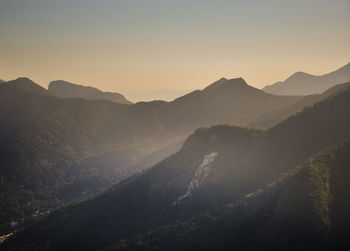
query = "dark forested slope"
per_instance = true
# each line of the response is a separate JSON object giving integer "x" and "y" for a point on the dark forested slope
{"x": 215, "y": 166}
{"x": 57, "y": 150}
{"x": 304, "y": 209}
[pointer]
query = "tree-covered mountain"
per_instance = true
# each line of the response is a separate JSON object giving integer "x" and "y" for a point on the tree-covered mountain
{"x": 64, "y": 89}
{"x": 304, "y": 209}
{"x": 215, "y": 166}
{"x": 56, "y": 151}
{"x": 301, "y": 83}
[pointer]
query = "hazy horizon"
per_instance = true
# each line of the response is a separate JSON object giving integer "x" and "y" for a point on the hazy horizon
{"x": 135, "y": 47}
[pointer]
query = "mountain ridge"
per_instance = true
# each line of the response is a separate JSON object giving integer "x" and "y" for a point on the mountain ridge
{"x": 66, "y": 89}
{"x": 301, "y": 83}
{"x": 45, "y": 137}
{"x": 25, "y": 84}
{"x": 148, "y": 198}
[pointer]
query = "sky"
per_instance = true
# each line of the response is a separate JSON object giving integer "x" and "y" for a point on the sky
{"x": 159, "y": 46}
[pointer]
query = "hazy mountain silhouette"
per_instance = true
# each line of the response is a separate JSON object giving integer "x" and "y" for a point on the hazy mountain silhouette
{"x": 301, "y": 83}
{"x": 215, "y": 166}
{"x": 270, "y": 119}
{"x": 24, "y": 84}
{"x": 65, "y": 89}
{"x": 61, "y": 150}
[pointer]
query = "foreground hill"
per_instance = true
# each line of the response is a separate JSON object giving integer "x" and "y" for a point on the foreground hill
{"x": 56, "y": 151}
{"x": 215, "y": 166}
{"x": 301, "y": 83}
{"x": 65, "y": 89}
{"x": 305, "y": 209}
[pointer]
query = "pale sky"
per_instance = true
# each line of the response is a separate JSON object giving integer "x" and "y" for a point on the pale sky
{"x": 150, "y": 45}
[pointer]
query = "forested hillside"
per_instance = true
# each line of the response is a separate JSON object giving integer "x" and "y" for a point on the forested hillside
{"x": 215, "y": 166}
{"x": 56, "y": 151}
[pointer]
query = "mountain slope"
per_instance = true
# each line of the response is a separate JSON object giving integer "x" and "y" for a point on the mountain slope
{"x": 65, "y": 89}
{"x": 24, "y": 84}
{"x": 214, "y": 167}
{"x": 230, "y": 101}
{"x": 58, "y": 151}
{"x": 301, "y": 83}
{"x": 269, "y": 119}
{"x": 50, "y": 148}
{"x": 304, "y": 209}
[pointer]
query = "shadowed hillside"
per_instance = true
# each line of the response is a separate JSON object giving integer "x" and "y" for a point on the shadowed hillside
{"x": 57, "y": 150}
{"x": 306, "y": 208}
{"x": 215, "y": 166}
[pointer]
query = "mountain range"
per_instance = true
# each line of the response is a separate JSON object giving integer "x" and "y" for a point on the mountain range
{"x": 227, "y": 187}
{"x": 301, "y": 83}
{"x": 138, "y": 176}
{"x": 57, "y": 151}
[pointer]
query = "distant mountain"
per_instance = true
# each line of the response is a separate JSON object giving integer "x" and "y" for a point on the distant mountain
{"x": 215, "y": 166}
{"x": 25, "y": 84}
{"x": 65, "y": 89}
{"x": 269, "y": 119}
{"x": 1, "y": 81}
{"x": 226, "y": 101}
{"x": 57, "y": 151}
{"x": 301, "y": 83}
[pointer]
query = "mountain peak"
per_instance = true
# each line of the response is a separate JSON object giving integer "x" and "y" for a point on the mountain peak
{"x": 300, "y": 76}
{"x": 26, "y": 84}
{"x": 223, "y": 82}
{"x": 222, "y": 79}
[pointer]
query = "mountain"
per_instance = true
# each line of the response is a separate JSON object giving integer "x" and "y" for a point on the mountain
{"x": 269, "y": 119}
{"x": 51, "y": 149}
{"x": 301, "y": 83}
{"x": 24, "y": 84}
{"x": 225, "y": 101}
{"x": 305, "y": 209}
{"x": 65, "y": 89}
{"x": 215, "y": 166}
{"x": 58, "y": 151}
{"x": 1, "y": 81}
